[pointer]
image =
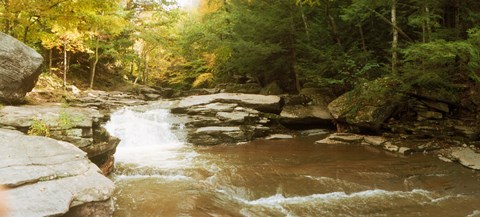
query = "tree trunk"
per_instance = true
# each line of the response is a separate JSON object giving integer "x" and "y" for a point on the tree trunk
{"x": 395, "y": 37}
{"x": 304, "y": 19}
{"x": 362, "y": 38}
{"x": 429, "y": 27}
{"x": 65, "y": 64}
{"x": 293, "y": 52}
{"x": 332, "y": 24}
{"x": 145, "y": 70}
{"x": 7, "y": 19}
{"x": 50, "y": 61}
{"x": 399, "y": 30}
{"x": 94, "y": 65}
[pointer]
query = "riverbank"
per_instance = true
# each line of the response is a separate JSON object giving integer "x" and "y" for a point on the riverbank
{"x": 219, "y": 119}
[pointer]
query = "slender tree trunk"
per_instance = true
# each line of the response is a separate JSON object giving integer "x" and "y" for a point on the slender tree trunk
{"x": 50, "y": 61}
{"x": 293, "y": 52}
{"x": 145, "y": 69}
{"x": 362, "y": 38}
{"x": 25, "y": 33}
{"x": 429, "y": 27}
{"x": 395, "y": 37}
{"x": 304, "y": 19}
{"x": 94, "y": 65}
{"x": 332, "y": 24}
{"x": 424, "y": 32}
{"x": 399, "y": 30}
{"x": 7, "y": 18}
{"x": 65, "y": 64}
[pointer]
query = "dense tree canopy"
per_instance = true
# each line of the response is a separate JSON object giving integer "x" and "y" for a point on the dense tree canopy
{"x": 291, "y": 43}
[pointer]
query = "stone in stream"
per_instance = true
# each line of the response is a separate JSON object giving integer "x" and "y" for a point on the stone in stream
{"x": 342, "y": 138}
{"x": 467, "y": 157}
{"x": 19, "y": 69}
{"x": 300, "y": 114}
{"x": 80, "y": 126}
{"x": 264, "y": 103}
{"x": 48, "y": 177}
{"x": 279, "y": 136}
{"x": 215, "y": 135}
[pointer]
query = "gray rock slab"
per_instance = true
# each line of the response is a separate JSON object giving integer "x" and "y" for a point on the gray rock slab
{"x": 279, "y": 136}
{"x": 265, "y": 103}
{"x": 467, "y": 157}
{"x": 300, "y": 114}
{"x": 217, "y": 129}
{"x": 47, "y": 177}
{"x": 23, "y": 116}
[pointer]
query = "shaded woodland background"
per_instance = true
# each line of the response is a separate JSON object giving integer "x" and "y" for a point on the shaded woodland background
{"x": 279, "y": 45}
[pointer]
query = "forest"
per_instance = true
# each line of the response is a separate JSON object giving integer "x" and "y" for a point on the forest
{"x": 279, "y": 45}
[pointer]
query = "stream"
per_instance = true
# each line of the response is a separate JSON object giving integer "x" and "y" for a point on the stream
{"x": 158, "y": 174}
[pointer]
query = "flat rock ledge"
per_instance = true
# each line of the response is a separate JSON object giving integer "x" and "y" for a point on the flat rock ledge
{"x": 466, "y": 156}
{"x": 350, "y": 138}
{"x": 47, "y": 177}
{"x": 79, "y": 126}
{"x": 263, "y": 103}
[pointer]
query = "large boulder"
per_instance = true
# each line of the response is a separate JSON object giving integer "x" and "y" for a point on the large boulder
{"x": 19, "y": 69}
{"x": 79, "y": 126}
{"x": 47, "y": 177}
{"x": 368, "y": 106}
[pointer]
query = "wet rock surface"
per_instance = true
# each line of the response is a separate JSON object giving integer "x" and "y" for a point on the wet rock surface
{"x": 47, "y": 177}
{"x": 19, "y": 69}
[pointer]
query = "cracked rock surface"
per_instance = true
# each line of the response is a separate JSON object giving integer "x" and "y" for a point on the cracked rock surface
{"x": 48, "y": 177}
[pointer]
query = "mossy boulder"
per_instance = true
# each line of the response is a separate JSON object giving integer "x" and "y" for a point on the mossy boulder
{"x": 369, "y": 105}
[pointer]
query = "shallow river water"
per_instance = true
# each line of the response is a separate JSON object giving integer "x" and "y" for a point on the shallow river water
{"x": 157, "y": 174}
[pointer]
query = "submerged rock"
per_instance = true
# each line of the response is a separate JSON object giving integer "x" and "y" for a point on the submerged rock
{"x": 48, "y": 177}
{"x": 19, "y": 69}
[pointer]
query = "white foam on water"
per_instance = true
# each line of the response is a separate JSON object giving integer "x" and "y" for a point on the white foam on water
{"x": 279, "y": 200}
{"x": 147, "y": 139}
{"x": 475, "y": 213}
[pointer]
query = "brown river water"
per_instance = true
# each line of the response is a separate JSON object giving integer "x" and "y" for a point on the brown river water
{"x": 157, "y": 174}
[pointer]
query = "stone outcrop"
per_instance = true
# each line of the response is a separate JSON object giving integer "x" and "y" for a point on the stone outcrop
{"x": 227, "y": 118}
{"x": 466, "y": 156}
{"x": 351, "y": 138}
{"x": 19, "y": 69}
{"x": 79, "y": 126}
{"x": 365, "y": 108}
{"x": 47, "y": 177}
{"x": 310, "y": 114}
{"x": 264, "y": 103}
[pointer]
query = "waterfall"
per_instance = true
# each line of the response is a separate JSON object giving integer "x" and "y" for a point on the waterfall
{"x": 146, "y": 137}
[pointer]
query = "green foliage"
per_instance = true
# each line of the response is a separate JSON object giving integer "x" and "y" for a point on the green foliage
{"x": 203, "y": 80}
{"x": 39, "y": 128}
{"x": 67, "y": 121}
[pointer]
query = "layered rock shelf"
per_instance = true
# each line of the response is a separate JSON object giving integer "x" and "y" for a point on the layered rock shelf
{"x": 79, "y": 126}
{"x": 47, "y": 177}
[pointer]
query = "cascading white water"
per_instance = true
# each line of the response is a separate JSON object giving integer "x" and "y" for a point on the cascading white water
{"x": 146, "y": 138}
